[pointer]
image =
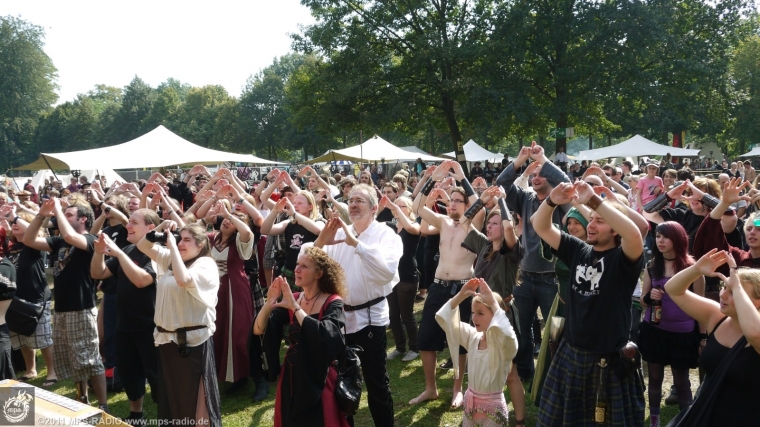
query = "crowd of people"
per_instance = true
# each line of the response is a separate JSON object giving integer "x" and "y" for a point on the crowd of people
{"x": 625, "y": 263}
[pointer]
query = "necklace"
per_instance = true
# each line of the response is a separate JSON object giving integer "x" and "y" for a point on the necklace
{"x": 312, "y": 298}
{"x": 668, "y": 259}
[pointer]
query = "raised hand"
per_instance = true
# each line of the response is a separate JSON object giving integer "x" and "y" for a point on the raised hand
{"x": 442, "y": 170}
{"x": 584, "y": 192}
{"x": 49, "y": 207}
{"x": 490, "y": 193}
{"x": 523, "y": 155}
{"x": 274, "y": 292}
{"x": 595, "y": 170}
{"x": 428, "y": 172}
{"x": 563, "y": 193}
{"x": 605, "y": 192}
{"x": 677, "y": 192}
{"x": 383, "y": 203}
{"x": 537, "y": 152}
{"x": 327, "y": 235}
{"x": 487, "y": 295}
{"x": 532, "y": 168}
{"x": 710, "y": 261}
{"x": 732, "y": 191}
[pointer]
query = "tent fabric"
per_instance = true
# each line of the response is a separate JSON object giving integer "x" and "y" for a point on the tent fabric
{"x": 754, "y": 152}
{"x": 475, "y": 153}
{"x": 414, "y": 149}
{"x": 157, "y": 148}
{"x": 635, "y": 147}
{"x": 371, "y": 150}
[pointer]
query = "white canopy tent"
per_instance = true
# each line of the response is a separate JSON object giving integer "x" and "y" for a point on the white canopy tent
{"x": 157, "y": 148}
{"x": 374, "y": 149}
{"x": 635, "y": 147}
{"x": 475, "y": 153}
{"x": 753, "y": 153}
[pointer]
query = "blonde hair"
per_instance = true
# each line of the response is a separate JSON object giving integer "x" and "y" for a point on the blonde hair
{"x": 314, "y": 214}
{"x": 751, "y": 277}
{"x": 499, "y": 300}
{"x": 409, "y": 203}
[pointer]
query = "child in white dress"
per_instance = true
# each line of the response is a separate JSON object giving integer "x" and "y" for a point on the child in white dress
{"x": 491, "y": 345}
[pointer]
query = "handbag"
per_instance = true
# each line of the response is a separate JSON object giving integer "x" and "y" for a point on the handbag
{"x": 23, "y": 316}
{"x": 348, "y": 391}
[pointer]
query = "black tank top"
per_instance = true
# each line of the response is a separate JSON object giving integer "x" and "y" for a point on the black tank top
{"x": 740, "y": 389}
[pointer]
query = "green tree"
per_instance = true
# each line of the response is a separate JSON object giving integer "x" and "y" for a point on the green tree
{"x": 195, "y": 120}
{"x": 27, "y": 87}
{"x": 745, "y": 76}
{"x": 400, "y": 63}
{"x": 129, "y": 119}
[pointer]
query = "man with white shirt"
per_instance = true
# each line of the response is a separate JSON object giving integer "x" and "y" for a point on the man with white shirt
{"x": 369, "y": 252}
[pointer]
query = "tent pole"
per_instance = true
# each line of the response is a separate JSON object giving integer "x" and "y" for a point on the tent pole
{"x": 50, "y": 167}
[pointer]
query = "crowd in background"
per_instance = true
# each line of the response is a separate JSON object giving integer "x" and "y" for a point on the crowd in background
{"x": 625, "y": 262}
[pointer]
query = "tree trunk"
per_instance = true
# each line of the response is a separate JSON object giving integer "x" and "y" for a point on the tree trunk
{"x": 561, "y": 123}
{"x": 456, "y": 136}
{"x": 590, "y": 142}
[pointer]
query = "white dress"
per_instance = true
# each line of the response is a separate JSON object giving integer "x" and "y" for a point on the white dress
{"x": 487, "y": 369}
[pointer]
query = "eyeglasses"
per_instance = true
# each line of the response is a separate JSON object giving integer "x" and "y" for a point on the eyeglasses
{"x": 456, "y": 201}
{"x": 608, "y": 175}
{"x": 356, "y": 201}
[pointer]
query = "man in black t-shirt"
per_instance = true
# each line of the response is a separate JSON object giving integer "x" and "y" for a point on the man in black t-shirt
{"x": 605, "y": 270}
{"x": 135, "y": 307}
{"x": 75, "y": 332}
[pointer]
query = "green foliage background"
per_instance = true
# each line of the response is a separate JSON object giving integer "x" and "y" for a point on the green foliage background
{"x": 427, "y": 73}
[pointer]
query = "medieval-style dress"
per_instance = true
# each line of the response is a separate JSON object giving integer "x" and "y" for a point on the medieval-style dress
{"x": 234, "y": 310}
{"x": 306, "y": 388}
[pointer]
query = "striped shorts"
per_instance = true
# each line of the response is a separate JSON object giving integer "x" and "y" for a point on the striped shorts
{"x": 75, "y": 345}
{"x": 42, "y": 336}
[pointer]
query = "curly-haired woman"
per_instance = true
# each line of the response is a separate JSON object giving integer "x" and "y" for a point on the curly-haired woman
{"x": 305, "y": 393}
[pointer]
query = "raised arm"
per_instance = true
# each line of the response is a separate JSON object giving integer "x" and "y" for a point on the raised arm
{"x": 631, "y": 241}
{"x": 542, "y": 219}
{"x": 703, "y": 310}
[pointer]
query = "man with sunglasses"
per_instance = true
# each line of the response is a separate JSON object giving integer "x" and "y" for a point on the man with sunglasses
{"x": 538, "y": 284}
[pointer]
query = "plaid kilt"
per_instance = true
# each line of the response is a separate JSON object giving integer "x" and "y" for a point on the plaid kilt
{"x": 76, "y": 345}
{"x": 569, "y": 392}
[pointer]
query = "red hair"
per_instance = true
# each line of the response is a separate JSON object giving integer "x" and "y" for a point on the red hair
{"x": 677, "y": 234}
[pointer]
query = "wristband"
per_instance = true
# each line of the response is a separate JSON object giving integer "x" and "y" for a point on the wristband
{"x": 594, "y": 202}
{"x": 468, "y": 191}
{"x": 702, "y": 336}
{"x": 657, "y": 203}
{"x": 296, "y": 311}
{"x": 710, "y": 201}
{"x": 240, "y": 201}
{"x": 647, "y": 298}
{"x": 474, "y": 209}
{"x": 100, "y": 205}
{"x": 15, "y": 220}
{"x": 548, "y": 201}
{"x": 107, "y": 210}
{"x": 429, "y": 184}
{"x": 505, "y": 214}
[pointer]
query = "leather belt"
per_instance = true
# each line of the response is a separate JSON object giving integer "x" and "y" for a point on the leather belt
{"x": 181, "y": 337}
{"x": 367, "y": 304}
{"x": 447, "y": 283}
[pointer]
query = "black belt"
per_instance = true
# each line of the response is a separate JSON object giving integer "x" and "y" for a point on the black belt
{"x": 367, "y": 304}
{"x": 181, "y": 337}
{"x": 546, "y": 274}
{"x": 447, "y": 283}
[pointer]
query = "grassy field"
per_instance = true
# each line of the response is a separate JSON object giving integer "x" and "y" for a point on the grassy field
{"x": 407, "y": 381}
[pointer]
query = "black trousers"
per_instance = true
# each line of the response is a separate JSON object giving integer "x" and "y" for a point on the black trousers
{"x": 374, "y": 342}
{"x": 137, "y": 361}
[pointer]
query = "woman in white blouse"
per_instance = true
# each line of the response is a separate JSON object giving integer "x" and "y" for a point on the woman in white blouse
{"x": 186, "y": 296}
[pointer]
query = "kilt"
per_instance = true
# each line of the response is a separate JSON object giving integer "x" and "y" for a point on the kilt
{"x": 42, "y": 336}
{"x": 569, "y": 392}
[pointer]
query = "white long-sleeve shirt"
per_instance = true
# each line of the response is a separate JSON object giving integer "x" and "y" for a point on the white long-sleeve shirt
{"x": 371, "y": 272}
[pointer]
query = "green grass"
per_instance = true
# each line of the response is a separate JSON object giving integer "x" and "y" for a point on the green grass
{"x": 407, "y": 381}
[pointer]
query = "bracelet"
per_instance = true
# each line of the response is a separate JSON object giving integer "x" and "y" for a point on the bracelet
{"x": 474, "y": 209}
{"x": 100, "y": 205}
{"x": 15, "y": 220}
{"x": 548, "y": 201}
{"x": 594, "y": 202}
{"x": 468, "y": 190}
{"x": 42, "y": 217}
{"x": 429, "y": 184}
{"x": 107, "y": 210}
{"x": 296, "y": 311}
{"x": 504, "y": 210}
{"x": 240, "y": 201}
{"x": 647, "y": 298}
